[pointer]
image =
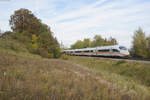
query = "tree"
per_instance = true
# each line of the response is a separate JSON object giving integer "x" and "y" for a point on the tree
{"x": 37, "y": 36}
{"x": 98, "y": 41}
{"x": 112, "y": 41}
{"x": 148, "y": 46}
{"x": 86, "y": 43}
{"x": 139, "y": 48}
{"x": 77, "y": 45}
{"x": 24, "y": 20}
{"x": 0, "y": 32}
{"x": 3, "y": 34}
{"x": 48, "y": 44}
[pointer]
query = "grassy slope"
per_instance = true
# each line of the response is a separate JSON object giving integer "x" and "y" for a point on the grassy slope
{"x": 132, "y": 75}
{"x": 24, "y": 76}
{"x": 135, "y": 71}
{"x": 11, "y": 46}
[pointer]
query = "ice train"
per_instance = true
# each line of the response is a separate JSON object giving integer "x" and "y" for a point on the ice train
{"x": 107, "y": 51}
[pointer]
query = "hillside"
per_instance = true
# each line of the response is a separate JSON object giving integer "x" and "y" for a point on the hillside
{"x": 31, "y": 78}
{"x": 26, "y": 76}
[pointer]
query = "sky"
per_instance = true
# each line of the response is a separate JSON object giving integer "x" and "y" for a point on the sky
{"x": 72, "y": 20}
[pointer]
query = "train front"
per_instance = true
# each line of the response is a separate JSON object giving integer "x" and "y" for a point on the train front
{"x": 124, "y": 51}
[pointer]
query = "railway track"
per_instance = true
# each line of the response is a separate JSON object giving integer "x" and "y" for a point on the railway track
{"x": 147, "y": 61}
{"x": 131, "y": 59}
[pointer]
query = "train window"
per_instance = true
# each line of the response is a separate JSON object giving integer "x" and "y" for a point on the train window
{"x": 87, "y": 51}
{"x": 122, "y": 48}
{"x": 115, "y": 50}
{"x": 105, "y": 50}
{"x": 77, "y": 51}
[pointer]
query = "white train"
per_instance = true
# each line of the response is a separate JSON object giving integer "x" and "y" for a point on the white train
{"x": 110, "y": 51}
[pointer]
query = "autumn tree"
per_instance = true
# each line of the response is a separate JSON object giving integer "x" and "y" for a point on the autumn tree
{"x": 139, "y": 48}
{"x": 36, "y": 35}
{"x": 24, "y": 20}
{"x": 48, "y": 43}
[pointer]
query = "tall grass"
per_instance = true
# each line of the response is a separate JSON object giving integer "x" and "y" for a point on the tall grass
{"x": 136, "y": 71}
{"x": 131, "y": 75}
{"x": 11, "y": 46}
{"x": 23, "y": 78}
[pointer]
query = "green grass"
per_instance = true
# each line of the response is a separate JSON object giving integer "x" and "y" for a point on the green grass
{"x": 11, "y": 46}
{"x": 19, "y": 53}
{"x": 132, "y": 75}
{"x": 133, "y": 70}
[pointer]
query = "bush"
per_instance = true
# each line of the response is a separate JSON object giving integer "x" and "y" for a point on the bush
{"x": 21, "y": 37}
{"x": 9, "y": 43}
{"x": 120, "y": 62}
{"x": 64, "y": 57}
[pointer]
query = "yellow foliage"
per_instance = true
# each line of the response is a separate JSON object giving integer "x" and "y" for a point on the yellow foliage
{"x": 35, "y": 46}
{"x": 1, "y": 92}
{"x": 34, "y": 38}
{"x": 50, "y": 55}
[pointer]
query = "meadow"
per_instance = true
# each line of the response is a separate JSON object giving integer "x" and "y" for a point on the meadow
{"x": 34, "y": 78}
{"x": 26, "y": 76}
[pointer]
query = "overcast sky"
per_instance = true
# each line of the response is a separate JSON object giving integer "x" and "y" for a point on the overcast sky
{"x": 71, "y": 20}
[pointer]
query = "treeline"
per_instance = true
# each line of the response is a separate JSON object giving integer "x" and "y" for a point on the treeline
{"x": 140, "y": 44}
{"x": 35, "y": 35}
{"x": 96, "y": 41}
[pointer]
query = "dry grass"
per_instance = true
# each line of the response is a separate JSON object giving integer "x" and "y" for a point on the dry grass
{"x": 132, "y": 76}
{"x": 25, "y": 78}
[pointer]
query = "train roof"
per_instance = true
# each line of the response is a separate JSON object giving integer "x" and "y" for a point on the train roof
{"x": 108, "y": 47}
{"x": 99, "y": 47}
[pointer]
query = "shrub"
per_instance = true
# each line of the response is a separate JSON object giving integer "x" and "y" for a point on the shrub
{"x": 43, "y": 52}
{"x": 120, "y": 62}
{"x": 64, "y": 57}
{"x": 21, "y": 37}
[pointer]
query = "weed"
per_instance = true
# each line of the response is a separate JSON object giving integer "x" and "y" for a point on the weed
{"x": 30, "y": 78}
{"x": 64, "y": 57}
{"x": 120, "y": 62}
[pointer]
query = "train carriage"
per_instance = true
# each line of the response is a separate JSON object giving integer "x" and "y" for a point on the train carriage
{"x": 111, "y": 51}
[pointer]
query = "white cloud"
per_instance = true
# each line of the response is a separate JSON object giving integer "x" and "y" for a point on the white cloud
{"x": 116, "y": 18}
{"x": 119, "y": 23}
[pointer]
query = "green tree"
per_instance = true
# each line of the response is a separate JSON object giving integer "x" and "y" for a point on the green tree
{"x": 48, "y": 44}
{"x": 148, "y": 46}
{"x": 0, "y": 32}
{"x": 77, "y": 45}
{"x": 86, "y": 43}
{"x": 98, "y": 41}
{"x": 3, "y": 34}
{"x": 112, "y": 41}
{"x": 139, "y": 48}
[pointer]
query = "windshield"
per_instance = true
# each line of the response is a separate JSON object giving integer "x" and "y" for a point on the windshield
{"x": 122, "y": 48}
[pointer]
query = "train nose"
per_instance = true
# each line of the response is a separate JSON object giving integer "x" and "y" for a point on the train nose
{"x": 125, "y": 53}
